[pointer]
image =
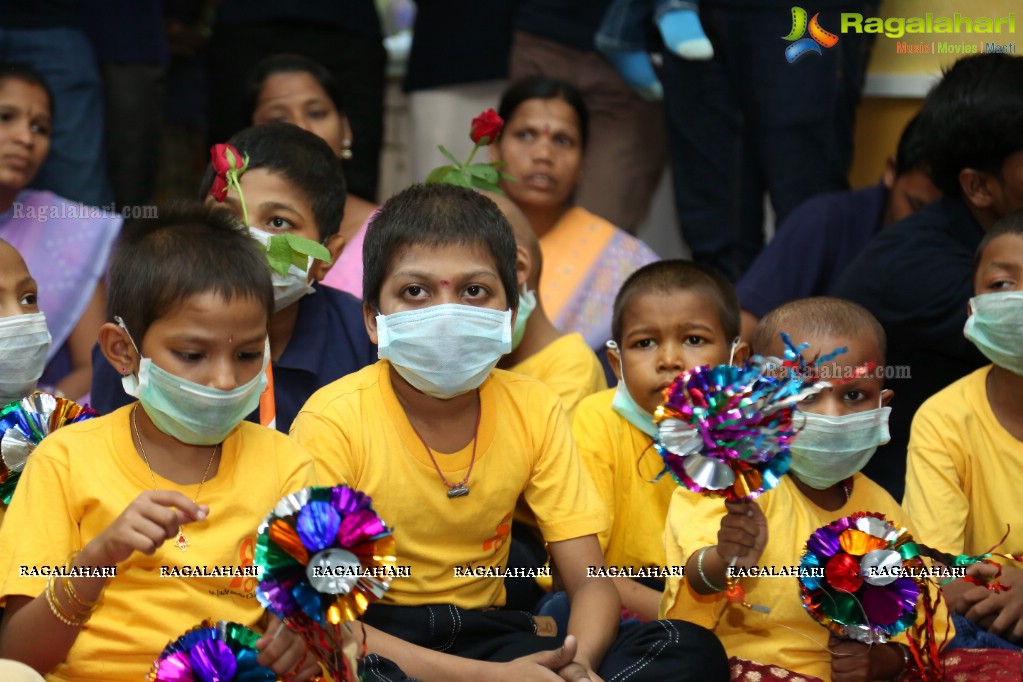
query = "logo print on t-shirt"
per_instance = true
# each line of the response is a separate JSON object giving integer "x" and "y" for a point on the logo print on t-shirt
{"x": 500, "y": 535}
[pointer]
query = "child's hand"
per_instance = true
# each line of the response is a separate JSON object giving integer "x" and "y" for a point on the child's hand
{"x": 149, "y": 521}
{"x": 743, "y": 533}
{"x": 578, "y": 672}
{"x": 286, "y": 654}
{"x": 1000, "y": 613}
{"x": 540, "y": 667}
{"x": 856, "y": 662}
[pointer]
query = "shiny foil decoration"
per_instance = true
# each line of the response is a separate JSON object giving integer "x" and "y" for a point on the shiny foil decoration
{"x": 23, "y": 424}
{"x": 318, "y": 550}
{"x": 212, "y": 652}
{"x": 869, "y": 592}
{"x": 726, "y": 430}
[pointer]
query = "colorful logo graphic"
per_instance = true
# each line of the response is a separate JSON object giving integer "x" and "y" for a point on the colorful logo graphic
{"x": 801, "y": 46}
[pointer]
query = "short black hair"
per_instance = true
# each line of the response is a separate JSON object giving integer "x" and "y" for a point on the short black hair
{"x": 973, "y": 118}
{"x": 432, "y": 216}
{"x": 911, "y": 154}
{"x": 290, "y": 63}
{"x": 187, "y": 250}
{"x": 300, "y": 157}
{"x": 821, "y": 315}
{"x": 27, "y": 74}
{"x": 1008, "y": 224}
{"x": 667, "y": 276}
{"x": 545, "y": 87}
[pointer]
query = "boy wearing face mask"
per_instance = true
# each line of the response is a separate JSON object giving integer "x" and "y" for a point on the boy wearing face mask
{"x": 445, "y": 444}
{"x": 24, "y": 338}
{"x": 966, "y": 448}
{"x": 668, "y": 317}
{"x": 171, "y": 481}
{"x": 844, "y": 425}
{"x": 294, "y": 184}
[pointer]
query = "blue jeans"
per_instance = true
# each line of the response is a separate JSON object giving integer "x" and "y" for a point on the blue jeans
{"x": 971, "y": 636}
{"x": 627, "y": 22}
{"x": 747, "y": 122}
{"x": 76, "y": 165}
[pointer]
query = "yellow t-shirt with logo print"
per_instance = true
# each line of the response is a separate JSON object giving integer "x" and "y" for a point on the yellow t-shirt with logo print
{"x": 359, "y": 434}
{"x": 82, "y": 477}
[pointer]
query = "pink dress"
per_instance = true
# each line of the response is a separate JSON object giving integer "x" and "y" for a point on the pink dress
{"x": 346, "y": 274}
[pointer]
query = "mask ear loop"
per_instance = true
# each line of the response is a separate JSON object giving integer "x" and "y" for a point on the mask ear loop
{"x": 120, "y": 323}
{"x": 731, "y": 354}
{"x": 611, "y": 344}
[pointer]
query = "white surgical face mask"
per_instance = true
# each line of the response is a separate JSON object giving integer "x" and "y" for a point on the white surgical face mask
{"x": 445, "y": 350}
{"x": 292, "y": 286}
{"x": 527, "y": 304}
{"x": 193, "y": 413}
{"x": 829, "y": 450}
{"x": 996, "y": 328}
{"x": 24, "y": 340}
{"x": 626, "y": 406}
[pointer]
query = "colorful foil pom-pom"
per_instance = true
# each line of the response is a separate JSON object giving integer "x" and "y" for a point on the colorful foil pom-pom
{"x": 212, "y": 652}
{"x": 726, "y": 430}
{"x": 23, "y": 424}
{"x": 872, "y": 578}
{"x": 325, "y": 557}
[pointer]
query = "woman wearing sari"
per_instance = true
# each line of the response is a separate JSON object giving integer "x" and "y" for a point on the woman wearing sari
{"x": 586, "y": 259}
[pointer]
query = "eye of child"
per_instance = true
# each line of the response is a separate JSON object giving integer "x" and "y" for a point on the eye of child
{"x": 413, "y": 290}
{"x": 40, "y": 128}
{"x": 644, "y": 343}
{"x": 854, "y": 395}
{"x": 188, "y": 356}
{"x": 29, "y": 299}
{"x": 249, "y": 356}
{"x": 475, "y": 290}
{"x": 1002, "y": 284}
{"x": 279, "y": 223}
{"x": 694, "y": 340}
{"x": 317, "y": 114}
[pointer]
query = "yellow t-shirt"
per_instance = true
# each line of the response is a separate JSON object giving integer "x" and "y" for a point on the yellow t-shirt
{"x": 963, "y": 472}
{"x": 568, "y": 367}
{"x": 83, "y": 476}
{"x": 359, "y": 434}
{"x": 623, "y": 463}
{"x": 787, "y": 636}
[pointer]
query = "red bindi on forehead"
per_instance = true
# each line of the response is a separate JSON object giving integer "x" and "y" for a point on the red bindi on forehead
{"x": 445, "y": 283}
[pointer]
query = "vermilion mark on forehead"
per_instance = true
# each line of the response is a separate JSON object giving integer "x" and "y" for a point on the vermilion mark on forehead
{"x": 445, "y": 283}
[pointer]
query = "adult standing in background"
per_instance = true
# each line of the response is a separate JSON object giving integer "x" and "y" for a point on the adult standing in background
{"x": 343, "y": 36}
{"x": 457, "y": 68}
{"x": 49, "y": 36}
{"x": 626, "y": 153}
{"x": 748, "y": 122}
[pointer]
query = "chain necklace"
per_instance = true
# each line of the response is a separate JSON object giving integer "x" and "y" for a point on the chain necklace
{"x": 181, "y": 541}
{"x": 459, "y": 489}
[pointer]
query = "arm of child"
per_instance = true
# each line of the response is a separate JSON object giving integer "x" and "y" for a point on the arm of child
{"x": 31, "y": 631}
{"x": 595, "y": 607}
{"x": 429, "y": 665}
{"x": 78, "y": 382}
{"x": 638, "y": 598}
{"x": 742, "y": 537}
{"x": 856, "y": 662}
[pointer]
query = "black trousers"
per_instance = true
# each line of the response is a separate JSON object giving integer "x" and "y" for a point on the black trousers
{"x": 357, "y": 62}
{"x": 660, "y": 651}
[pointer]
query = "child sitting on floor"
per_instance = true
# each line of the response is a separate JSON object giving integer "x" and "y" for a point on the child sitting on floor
{"x": 844, "y": 424}
{"x": 966, "y": 447}
{"x": 172, "y": 481}
{"x": 441, "y": 296}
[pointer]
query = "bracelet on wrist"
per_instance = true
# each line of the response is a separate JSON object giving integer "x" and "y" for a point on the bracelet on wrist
{"x": 907, "y": 662}
{"x": 703, "y": 576}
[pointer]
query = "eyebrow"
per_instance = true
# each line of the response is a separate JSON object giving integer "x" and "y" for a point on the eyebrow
{"x": 688, "y": 326}
{"x": 278, "y": 206}
{"x": 27, "y": 280}
{"x": 1014, "y": 267}
{"x": 188, "y": 337}
{"x": 419, "y": 274}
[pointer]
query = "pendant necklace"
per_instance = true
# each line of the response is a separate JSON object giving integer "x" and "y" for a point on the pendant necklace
{"x": 455, "y": 489}
{"x": 181, "y": 540}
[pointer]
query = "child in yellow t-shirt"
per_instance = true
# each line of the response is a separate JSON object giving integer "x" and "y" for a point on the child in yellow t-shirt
{"x": 24, "y": 338}
{"x": 669, "y": 316}
{"x": 445, "y": 444}
{"x": 966, "y": 448}
{"x": 843, "y": 426}
{"x": 539, "y": 349}
{"x": 168, "y": 485}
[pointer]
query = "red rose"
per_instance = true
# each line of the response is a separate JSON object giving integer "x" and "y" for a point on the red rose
{"x": 486, "y": 127}
{"x": 225, "y": 158}
{"x": 219, "y": 189}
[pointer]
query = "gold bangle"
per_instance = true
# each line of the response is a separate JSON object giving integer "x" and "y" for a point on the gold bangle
{"x": 703, "y": 576}
{"x": 74, "y": 601}
{"x": 57, "y": 609}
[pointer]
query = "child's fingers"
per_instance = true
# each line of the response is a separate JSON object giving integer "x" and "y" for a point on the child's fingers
{"x": 176, "y": 500}
{"x": 740, "y": 508}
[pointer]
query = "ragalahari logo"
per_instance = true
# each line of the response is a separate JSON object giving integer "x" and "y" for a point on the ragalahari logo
{"x": 801, "y": 46}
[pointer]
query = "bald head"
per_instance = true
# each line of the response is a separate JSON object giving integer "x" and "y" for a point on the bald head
{"x": 525, "y": 236}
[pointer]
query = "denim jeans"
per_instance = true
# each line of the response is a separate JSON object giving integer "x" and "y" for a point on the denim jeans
{"x": 76, "y": 165}
{"x": 747, "y": 122}
{"x": 627, "y": 22}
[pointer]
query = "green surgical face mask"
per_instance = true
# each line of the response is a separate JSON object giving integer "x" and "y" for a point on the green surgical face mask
{"x": 527, "y": 304}
{"x": 996, "y": 328}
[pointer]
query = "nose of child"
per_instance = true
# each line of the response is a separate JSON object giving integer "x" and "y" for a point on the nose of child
{"x": 222, "y": 376}
{"x": 670, "y": 358}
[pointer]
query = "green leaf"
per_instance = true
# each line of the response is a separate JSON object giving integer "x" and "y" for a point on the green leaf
{"x": 505, "y": 176}
{"x": 279, "y": 254}
{"x": 457, "y": 177}
{"x": 451, "y": 157}
{"x": 307, "y": 247}
{"x": 483, "y": 171}
{"x": 436, "y": 176}
{"x": 486, "y": 186}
